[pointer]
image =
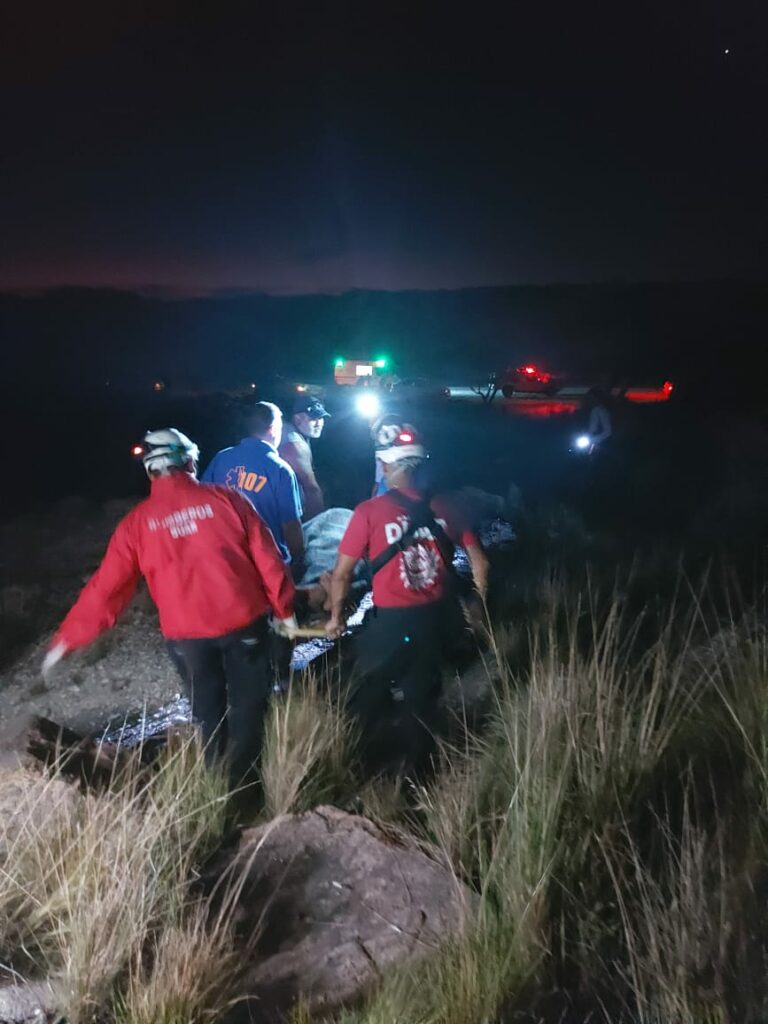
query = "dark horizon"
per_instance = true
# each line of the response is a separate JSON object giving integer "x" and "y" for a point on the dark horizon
{"x": 170, "y": 294}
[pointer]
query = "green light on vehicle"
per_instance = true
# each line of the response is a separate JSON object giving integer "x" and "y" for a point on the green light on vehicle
{"x": 338, "y": 362}
{"x": 380, "y": 363}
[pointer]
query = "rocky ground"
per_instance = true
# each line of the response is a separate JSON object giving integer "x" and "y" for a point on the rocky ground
{"x": 44, "y": 561}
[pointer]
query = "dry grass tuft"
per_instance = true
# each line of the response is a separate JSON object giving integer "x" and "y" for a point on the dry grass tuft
{"x": 100, "y": 882}
{"x": 308, "y": 747}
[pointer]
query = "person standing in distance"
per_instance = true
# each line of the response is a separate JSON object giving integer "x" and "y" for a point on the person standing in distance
{"x": 255, "y": 470}
{"x": 213, "y": 570}
{"x": 307, "y": 424}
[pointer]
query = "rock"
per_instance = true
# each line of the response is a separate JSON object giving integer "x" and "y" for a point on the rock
{"x": 36, "y": 737}
{"x": 14, "y": 736}
{"x": 337, "y": 901}
{"x": 33, "y": 1003}
{"x": 33, "y": 804}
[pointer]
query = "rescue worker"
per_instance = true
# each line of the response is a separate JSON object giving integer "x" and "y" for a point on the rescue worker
{"x": 255, "y": 470}
{"x": 307, "y": 424}
{"x": 599, "y": 426}
{"x": 383, "y": 431}
{"x": 214, "y": 572}
{"x": 408, "y": 540}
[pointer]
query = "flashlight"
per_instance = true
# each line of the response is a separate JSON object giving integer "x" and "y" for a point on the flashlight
{"x": 583, "y": 442}
{"x": 368, "y": 405}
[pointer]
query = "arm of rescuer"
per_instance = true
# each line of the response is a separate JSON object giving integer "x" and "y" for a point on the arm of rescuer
{"x": 341, "y": 580}
{"x": 103, "y": 599}
{"x": 289, "y": 504}
{"x": 299, "y": 458}
{"x": 266, "y": 557}
{"x": 294, "y": 539}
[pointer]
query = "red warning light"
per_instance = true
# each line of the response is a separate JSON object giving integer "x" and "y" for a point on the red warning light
{"x": 406, "y": 438}
{"x": 530, "y": 370}
{"x": 137, "y": 450}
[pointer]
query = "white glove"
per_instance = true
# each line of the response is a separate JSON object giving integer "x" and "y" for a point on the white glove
{"x": 285, "y": 627}
{"x": 52, "y": 658}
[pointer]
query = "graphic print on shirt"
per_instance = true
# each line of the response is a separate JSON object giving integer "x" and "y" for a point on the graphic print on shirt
{"x": 419, "y": 564}
{"x": 418, "y": 567}
{"x": 237, "y": 479}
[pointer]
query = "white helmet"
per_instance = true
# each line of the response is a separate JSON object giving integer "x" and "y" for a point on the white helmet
{"x": 162, "y": 450}
{"x": 406, "y": 444}
{"x": 386, "y": 428}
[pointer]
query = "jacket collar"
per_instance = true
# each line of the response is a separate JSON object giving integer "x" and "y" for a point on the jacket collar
{"x": 257, "y": 441}
{"x": 172, "y": 482}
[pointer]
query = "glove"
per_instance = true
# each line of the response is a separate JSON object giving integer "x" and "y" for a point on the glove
{"x": 285, "y": 627}
{"x": 52, "y": 658}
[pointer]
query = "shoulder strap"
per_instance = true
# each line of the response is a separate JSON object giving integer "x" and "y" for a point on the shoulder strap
{"x": 421, "y": 517}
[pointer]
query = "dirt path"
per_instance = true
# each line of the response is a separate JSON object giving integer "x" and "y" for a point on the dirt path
{"x": 44, "y": 560}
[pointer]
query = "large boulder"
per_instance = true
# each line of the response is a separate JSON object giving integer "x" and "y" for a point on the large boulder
{"x": 338, "y": 901}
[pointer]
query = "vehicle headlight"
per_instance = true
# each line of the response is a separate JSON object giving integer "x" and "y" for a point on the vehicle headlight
{"x": 583, "y": 441}
{"x": 368, "y": 405}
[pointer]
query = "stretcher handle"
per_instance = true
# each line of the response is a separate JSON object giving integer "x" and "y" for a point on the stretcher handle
{"x": 308, "y": 633}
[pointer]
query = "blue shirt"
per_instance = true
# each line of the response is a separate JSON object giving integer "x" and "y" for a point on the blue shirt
{"x": 255, "y": 470}
{"x": 380, "y": 481}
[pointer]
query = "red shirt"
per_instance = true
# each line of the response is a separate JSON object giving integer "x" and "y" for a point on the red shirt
{"x": 210, "y": 563}
{"x": 415, "y": 576}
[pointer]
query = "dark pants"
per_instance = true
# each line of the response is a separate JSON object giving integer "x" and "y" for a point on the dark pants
{"x": 228, "y": 680}
{"x": 398, "y": 681}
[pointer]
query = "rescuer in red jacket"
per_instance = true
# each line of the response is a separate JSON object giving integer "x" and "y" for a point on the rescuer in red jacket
{"x": 214, "y": 571}
{"x": 408, "y": 539}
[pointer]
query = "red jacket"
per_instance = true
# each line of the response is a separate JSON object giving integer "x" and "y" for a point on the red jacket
{"x": 210, "y": 563}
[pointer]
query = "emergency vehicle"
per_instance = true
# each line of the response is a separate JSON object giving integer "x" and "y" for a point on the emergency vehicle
{"x": 351, "y": 372}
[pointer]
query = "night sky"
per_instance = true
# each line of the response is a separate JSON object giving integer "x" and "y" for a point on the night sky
{"x": 295, "y": 148}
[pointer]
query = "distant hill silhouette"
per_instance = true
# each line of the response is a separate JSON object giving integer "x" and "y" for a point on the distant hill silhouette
{"x": 72, "y": 339}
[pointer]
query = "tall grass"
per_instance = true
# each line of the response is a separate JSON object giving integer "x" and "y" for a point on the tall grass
{"x": 187, "y": 973}
{"x": 308, "y": 750}
{"x": 675, "y": 923}
{"x": 611, "y": 820}
{"x": 95, "y": 894}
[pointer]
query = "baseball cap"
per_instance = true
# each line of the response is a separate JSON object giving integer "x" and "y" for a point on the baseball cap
{"x": 405, "y": 445}
{"x": 311, "y": 406}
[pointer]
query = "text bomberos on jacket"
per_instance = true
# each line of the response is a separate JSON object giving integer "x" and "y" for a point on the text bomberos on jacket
{"x": 183, "y": 521}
